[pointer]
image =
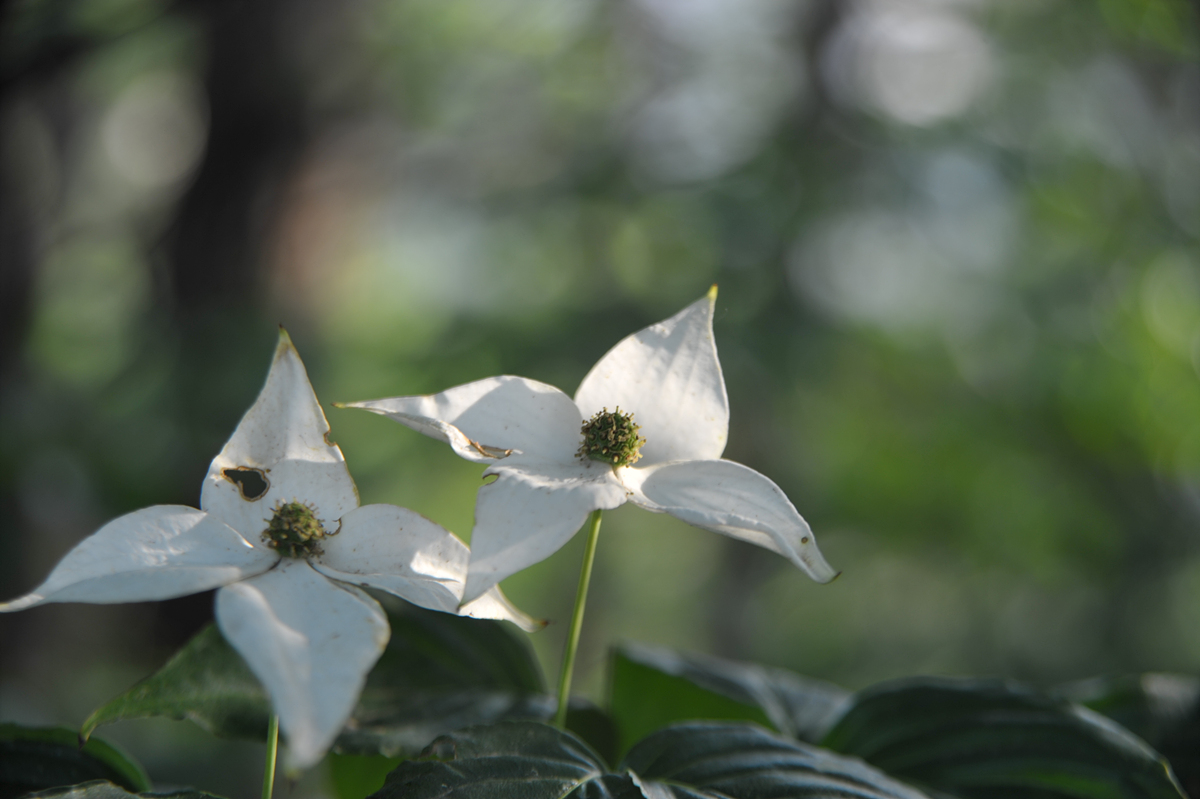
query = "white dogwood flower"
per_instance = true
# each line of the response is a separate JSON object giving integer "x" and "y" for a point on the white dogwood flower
{"x": 647, "y": 425}
{"x": 281, "y": 534}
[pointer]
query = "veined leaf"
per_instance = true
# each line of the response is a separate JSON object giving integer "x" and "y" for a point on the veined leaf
{"x": 714, "y": 759}
{"x": 439, "y": 672}
{"x": 1163, "y": 709}
{"x": 509, "y": 759}
{"x": 442, "y": 672}
{"x": 654, "y": 686}
{"x": 698, "y": 760}
{"x": 102, "y": 789}
{"x": 206, "y": 682}
{"x": 980, "y": 739}
{"x": 451, "y": 651}
{"x": 35, "y": 758}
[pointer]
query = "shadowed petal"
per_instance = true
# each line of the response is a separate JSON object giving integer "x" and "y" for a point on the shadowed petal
{"x": 732, "y": 499}
{"x": 310, "y": 642}
{"x": 154, "y": 553}
{"x": 493, "y": 604}
{"x": 531, "y": 511}
{"x": 279, "y": 452}
{"x": 398, "y": 551}
{"x": 486, "y": 419}
{"x": 668, "y": 375}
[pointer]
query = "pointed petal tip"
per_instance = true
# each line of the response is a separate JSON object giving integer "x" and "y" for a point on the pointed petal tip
{"x": 21, "y": 603}
{"x": 823, "y": 573}
{"x": 813, "y": 563}
{"x": 527, "y": 623}
{"x": 493, "y": 604}
{"x": 712, "y": 293}
{"x": 285, "y": 344}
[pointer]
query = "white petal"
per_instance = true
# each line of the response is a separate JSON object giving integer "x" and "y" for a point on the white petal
{"x": 486, "y": 419}
{"x": 398, "y": 551}
{"x": 668, "y": 375}
{"x": 732, "y": 499}
{"x": 493, "y": 604}
{"x": 530, "y": 511}
{"x": 310, "y": 642}
{"x": 154, "y": 553}
{"x": 282, "y": 440}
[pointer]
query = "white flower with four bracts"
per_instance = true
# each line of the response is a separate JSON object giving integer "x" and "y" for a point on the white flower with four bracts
{"x": 281, "y": 534}
{"x": 531, "y": 436}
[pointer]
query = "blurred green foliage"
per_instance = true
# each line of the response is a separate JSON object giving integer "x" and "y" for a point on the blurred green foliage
{"x": 959, "y": 307}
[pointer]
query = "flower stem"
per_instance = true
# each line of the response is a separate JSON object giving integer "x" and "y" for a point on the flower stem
{"x": 272, "y": 750}
{"x": 568, "y": 661}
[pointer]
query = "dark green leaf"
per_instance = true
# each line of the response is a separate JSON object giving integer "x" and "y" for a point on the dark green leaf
{"x": 653, "y": 687}
{"x": 409, "y": 723}
{"x": 448, "y": 651}
{"x": 720, "y": 759}
{"x": 102, "y": 789}
{"x": 986, "y": 738}
{"x": 592, "y": 725}
{"x": 509, "y": 760}
{"x": 439, "y": 672}
{"x": 358, "y": 776}
{"x": 645, "y": 698}
{"x": 1163, "y": 709}
{"x": 699, "y": 760}
{"x": 32, "y": 759}
{"x": 206, "y": 681}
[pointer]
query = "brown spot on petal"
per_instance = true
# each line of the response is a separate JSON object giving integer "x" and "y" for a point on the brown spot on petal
{"x": 252, "y": 483}
{"x": 490, "y": 452}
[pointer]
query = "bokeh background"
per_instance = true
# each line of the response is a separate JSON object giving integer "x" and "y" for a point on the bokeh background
{"x": 959, "y": 311}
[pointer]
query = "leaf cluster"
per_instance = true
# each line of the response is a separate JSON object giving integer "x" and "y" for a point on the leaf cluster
{"x": 457, "y": 707}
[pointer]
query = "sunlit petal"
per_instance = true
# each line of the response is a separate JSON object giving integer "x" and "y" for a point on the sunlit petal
{"x": 530, "y": 511}
{"x": 493, "y": 604}
{"x": 486, "y": 419}
{"x": 310, "y": 642}
{"x": 732, "y": 499}
{"x": 398, "y": 551}
{"x": 280, "y": 452}
{"x": 155, "y": 553}
{"x": 668, "y": 375}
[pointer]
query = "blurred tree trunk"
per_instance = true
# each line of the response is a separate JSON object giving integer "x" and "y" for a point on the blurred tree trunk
{"x": 16, "y": 283}
{"x": 210, "y": 262}
{"x": 215, "y": 247}
{"x": 208, "y": 265}
{"x": 18, "y": 223}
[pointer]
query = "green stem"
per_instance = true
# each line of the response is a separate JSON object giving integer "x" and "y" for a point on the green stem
{"x": 272, "y": 750}
{"x": 568, "y": 662}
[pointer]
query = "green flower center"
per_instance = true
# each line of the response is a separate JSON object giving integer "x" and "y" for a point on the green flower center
{"x": 612, "y": 438}
{"x": 294, "y": 531}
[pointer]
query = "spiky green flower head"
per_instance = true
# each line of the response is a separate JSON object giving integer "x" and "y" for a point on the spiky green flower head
{"x": 612, "y": 438}
{"x": 294, "y": 531}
